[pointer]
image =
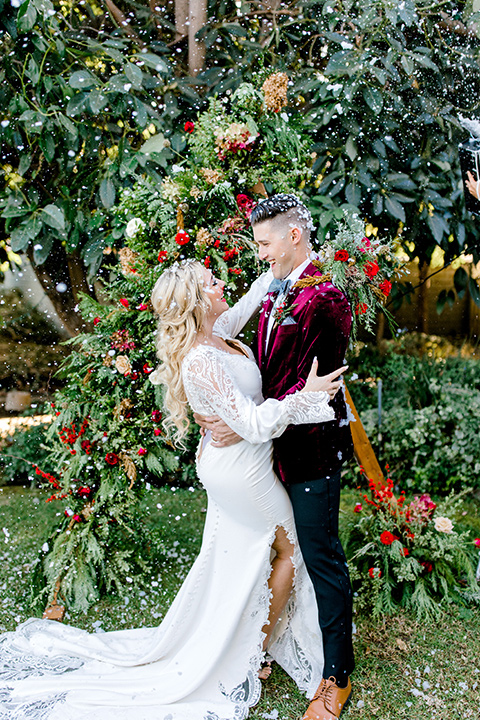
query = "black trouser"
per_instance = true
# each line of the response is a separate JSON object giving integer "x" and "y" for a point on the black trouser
{"x": 316, "y": 507}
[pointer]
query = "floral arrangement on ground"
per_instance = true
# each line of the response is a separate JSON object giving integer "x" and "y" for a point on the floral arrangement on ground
{"x": 408, "y": 554}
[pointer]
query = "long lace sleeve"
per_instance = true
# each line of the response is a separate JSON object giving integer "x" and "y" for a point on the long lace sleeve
{"x": 211, "y": 389}
{"x": 230, "y": 323}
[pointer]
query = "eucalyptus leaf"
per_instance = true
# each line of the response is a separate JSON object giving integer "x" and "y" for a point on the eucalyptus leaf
{"x": 42, "y": 249}
{"x": 107, "y": 192}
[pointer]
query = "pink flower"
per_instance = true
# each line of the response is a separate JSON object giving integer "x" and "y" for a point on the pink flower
{"x": 477, "y": 542}
{"x": 124, "y": 302}
{"x": 358, "y": 508}
{"x": 366, "y": 242}
{"x": 157, "y": 416}
{"x": 142, "y": 306}
{"x": 77, "y": 518}
{"x": 157, "y": 432}
{"x": 142, "y": 451}
{"x": 96, "y": 320}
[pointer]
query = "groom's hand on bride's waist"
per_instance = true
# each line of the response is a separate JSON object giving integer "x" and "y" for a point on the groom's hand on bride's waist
{"x": 222, "y": 435}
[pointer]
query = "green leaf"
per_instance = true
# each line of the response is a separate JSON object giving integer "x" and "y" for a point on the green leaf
{"x": 441, "y": 300}
{"x": 134, "y": 74}
{"x": 460, "y": 281}
{"x": 437, "y": 226}
{"x": 27, "y": 16}
{"x": 394, "y": 208}
{"x": 474, "y": 291}
{"x": 155, "y": 62}
{"x": 107, "y": 192}
{"x": 97, "y": 101}
{"x": 351, "y": 148}
{"x": 373, "y": 98}
{"x": 47, "y": 145}
{"x": 353, "y": 194}
{"x": 54, "y": 217}
{"x": 76, "y": 104}
{"x": 154, "y": 144}
{"x": 82, "y": 80}
{"x": 19, "y": 239}
{"x": 42, "y": 250}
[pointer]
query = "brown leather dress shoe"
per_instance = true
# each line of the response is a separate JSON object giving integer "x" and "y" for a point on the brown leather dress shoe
{"x": 329, "y": 701}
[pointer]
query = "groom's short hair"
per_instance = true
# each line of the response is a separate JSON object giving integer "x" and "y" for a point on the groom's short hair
{"x": 286, "y": 204}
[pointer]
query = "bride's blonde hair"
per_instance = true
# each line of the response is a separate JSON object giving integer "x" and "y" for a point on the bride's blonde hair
{"x": 180, "y": 303}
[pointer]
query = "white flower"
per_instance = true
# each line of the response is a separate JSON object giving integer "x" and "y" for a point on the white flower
{"x": 443, "y": 524}
{"x": 133, "y": 226}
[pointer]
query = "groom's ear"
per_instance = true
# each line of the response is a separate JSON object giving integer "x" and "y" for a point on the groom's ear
{"x": 296, "y": 234}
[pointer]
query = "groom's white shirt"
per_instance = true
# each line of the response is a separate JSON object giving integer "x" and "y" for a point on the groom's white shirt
{"x": 293, "y": 277}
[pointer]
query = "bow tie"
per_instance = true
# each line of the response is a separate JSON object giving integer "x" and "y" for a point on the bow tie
{"x": 279, "y": 286}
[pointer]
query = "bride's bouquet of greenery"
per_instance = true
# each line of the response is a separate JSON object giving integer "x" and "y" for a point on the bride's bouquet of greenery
{"x": 408, "y": 554}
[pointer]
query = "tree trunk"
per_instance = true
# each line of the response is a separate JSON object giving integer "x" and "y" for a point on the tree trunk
{"x": 69, "y": 270}
{"x": 181, "y": 19}
{"x": 196, "y": 48}
{"x": 422, "y": 323}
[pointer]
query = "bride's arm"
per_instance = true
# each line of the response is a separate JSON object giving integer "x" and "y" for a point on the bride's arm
{"x": 231, "y": 322}
{"x": 212, "y": 389}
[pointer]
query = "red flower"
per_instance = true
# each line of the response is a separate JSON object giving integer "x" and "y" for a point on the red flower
{"x": 142, "y": 306}
{"x": 84, "y": 491}
{"x": 111, "y": 458}
{"x": 182, "y": 238}
{"x": 371, "y": 268}
{"x": 157, "y": 416}
{"x": 95, "y": 322}
{"x": 141, "y": 451}
{"x": 77, "y": 518}
{"x": 358, "y": 508}
{"x": 134, "y": 375}
{"x": 427, "y": 565}
{"x": 405, "y": 552}
{"x": 147, "y": 369}
{"x": 385, "y": 287}
{"x": 387, "y": 537}
{"x": 189, "y": 126}
{"x": 157, "y": 432}
{"x": 341, "y": 255}
{"x": 375, "y": 572}
{"x": 207, "y": 261}
{"x": 361, "y": 308}
{"x": 235, "y": 271}
{"x": 366, "y": 242}
{"x": 230, "y": 254}
{"x": 162, "y": 256}
{"x": 124, "y": 302}
{"x": 86, "y": 445}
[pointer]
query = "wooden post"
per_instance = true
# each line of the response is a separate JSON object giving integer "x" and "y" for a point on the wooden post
{"x": 361, "y": 445}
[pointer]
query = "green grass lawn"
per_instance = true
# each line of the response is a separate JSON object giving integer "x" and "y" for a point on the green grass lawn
{"x": 404, "y": 669}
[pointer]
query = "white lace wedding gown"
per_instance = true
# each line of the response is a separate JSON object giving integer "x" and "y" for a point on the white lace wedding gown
{"x": 202, "y": 662}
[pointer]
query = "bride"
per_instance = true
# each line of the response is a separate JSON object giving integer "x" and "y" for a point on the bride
{"x": 203, "y": 661}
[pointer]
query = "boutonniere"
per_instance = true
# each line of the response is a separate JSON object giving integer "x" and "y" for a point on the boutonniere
{"x": 281, "y": 312}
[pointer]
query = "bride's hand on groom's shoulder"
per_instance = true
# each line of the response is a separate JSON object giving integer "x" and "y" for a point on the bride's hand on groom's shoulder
{"x": 330, "y": 383}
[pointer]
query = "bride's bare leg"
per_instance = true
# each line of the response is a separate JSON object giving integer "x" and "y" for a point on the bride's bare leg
{"x": 280, "y": 581}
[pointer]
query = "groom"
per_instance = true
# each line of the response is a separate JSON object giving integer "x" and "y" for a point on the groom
{"x": 302, "y": 317}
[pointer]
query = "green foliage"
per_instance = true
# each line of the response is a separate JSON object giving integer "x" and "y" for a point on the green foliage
{"x": 408, "y": 555}
{"x": 430, "y": 417}
{"x": 22, "y": 451}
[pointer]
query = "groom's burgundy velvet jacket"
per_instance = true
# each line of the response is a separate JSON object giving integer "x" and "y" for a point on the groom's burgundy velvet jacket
{"x": 318, "y": 324}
